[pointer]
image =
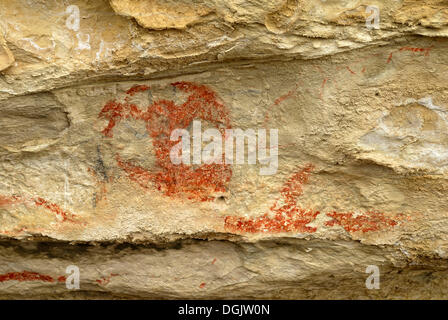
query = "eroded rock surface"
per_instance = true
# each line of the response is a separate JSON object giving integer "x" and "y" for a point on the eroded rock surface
{"x": 90, "y": 92}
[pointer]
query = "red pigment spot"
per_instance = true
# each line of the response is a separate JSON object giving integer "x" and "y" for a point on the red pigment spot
{"x": 54, "y": 208}
{"x": 288, "y": 217}
{"x": 136, "y": 89}
{"x": 214, "y": 260}
{"x": 161, "y": 118}
{"x": 62, "y": 279}
{"x": 370, "y": 221}
{"x": 106, "y": 280}
{"x": 25, "y": 276}
{"x": 202, "y": 285}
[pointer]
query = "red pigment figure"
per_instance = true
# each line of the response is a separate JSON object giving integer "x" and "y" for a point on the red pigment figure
{"x": 161, "y": 118}
{"x": 106, "y": 280}
{"x": 12, "y": 200}
{"x": 285, "y": 215}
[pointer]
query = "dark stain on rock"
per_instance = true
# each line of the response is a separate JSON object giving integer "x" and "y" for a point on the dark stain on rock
{"x": 100, "y": 167}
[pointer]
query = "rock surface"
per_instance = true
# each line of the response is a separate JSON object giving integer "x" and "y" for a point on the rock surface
{"x": 90, "y": 92}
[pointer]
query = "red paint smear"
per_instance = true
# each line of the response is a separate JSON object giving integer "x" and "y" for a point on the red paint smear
{"x": 34, "y": 276}
{"x": 25, "y": 276}
{"x": 135, "y": 173}
{"x": 202, "y": 285}
{"x": 425, "y": 50}
{"x": 66, "y": 216}
{"x": 54, "y": 208}
{"x": 106, "y": 280}
{"x": 288, "y": 217}
{"x": 390, "y": 58}
{"x": 7, "y": 201}
{"x": 136, "y": 89}
{"x": 214, "y": 260}
{"x": 351, "y": 71}
{"x": 412, "y": 49}
{"x": 280, "y": 100}
{"x": 161, "y": 118}
{"x": 370, "y": 221}
{"x": 284, "y": 97}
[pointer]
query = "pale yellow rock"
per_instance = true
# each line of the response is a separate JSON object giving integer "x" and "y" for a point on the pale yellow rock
{"x": 159, "y": 15}
{"x": 6, "y": 56}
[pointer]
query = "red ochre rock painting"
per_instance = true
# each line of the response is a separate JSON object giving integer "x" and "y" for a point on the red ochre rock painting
{"x": 39, "y": 202}
{"x": 161, "y": 118}
{"x": 101, "y": 186}
{"x": 55, "y": 209}
{"x": 29, "y": 276}
{"x": 370, "y": 221}
{"x": 284, "y": 215}
{"x": 106, "y": 280}
{"x": 350, "y": 68}
{"x": 63, "y": 216}
{"x": 291, "y": 218}
{"x": 287, "y": 216}
{"x": 412, "y": 49}
{"x": 35, "y": 276}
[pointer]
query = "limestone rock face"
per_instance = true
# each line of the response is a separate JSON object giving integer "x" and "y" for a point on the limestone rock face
{"x": 6, "y": 56}
{"x": 91, "y": 92}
